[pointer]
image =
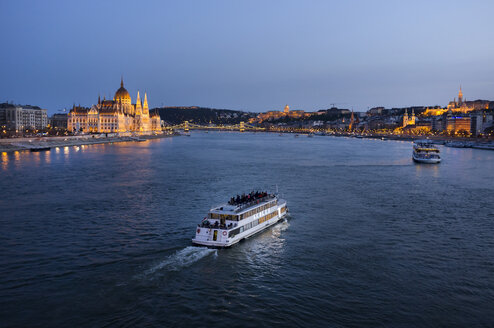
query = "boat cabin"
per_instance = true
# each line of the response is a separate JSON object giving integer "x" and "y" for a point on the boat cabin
{"x": 227, "y": 216}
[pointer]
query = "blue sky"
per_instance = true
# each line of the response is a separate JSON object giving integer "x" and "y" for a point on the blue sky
{"x": 248, "y": 55}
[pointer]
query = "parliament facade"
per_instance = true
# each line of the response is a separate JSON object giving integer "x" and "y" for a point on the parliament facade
{"x": 119, "y": 115}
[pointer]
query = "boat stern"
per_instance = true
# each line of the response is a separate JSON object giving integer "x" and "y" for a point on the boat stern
{"x": 211, "y": 237}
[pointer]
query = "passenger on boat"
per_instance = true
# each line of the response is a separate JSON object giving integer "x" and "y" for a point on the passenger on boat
{"x": 242, "y": 199}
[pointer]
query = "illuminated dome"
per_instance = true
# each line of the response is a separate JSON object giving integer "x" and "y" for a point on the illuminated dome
{"x": 122, "y": 95}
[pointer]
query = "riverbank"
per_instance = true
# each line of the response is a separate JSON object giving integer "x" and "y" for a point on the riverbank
{"x": 458, "y": 142}
{"x": 41, "y": 143}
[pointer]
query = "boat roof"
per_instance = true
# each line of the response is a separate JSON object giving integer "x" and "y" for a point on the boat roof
{"x": 241, "y": 208}
{"x": 423, "y": 141}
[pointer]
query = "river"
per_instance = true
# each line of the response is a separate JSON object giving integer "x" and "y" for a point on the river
{"x": 100, "y": 235}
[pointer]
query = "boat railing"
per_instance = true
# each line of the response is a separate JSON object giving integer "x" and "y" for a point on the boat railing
{"x": 216, "y": 225}
{"x": 253, "y": 202}
{"x": 434, "y": 150}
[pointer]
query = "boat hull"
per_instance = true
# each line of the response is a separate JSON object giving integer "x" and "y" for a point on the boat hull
{"x": 34, "y": 149}
{"x": 426, "y": 160}
{"x": 237, "y": 239}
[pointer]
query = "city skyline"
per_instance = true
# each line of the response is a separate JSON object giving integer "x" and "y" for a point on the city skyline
{"x": 248, "y": 56}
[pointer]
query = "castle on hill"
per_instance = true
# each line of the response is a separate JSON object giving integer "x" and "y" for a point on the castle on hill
{"x": 458, "y": 106}
{"x": 274, "y": 114}
{"x": 119, "y": 115}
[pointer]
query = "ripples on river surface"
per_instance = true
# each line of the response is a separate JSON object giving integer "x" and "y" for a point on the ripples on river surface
{"x": 100, "y": 235}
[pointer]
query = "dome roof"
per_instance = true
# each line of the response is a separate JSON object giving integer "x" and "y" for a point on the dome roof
{"x": 122, "y": 93}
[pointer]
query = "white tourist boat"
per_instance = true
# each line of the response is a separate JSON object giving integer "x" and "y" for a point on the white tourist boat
{"x": 242, "y": 217}
{"x": 426, "y": 152}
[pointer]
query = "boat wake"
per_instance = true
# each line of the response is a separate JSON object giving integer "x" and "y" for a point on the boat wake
{"x": 181, "y": 259}
{"x": 280, "y": 227}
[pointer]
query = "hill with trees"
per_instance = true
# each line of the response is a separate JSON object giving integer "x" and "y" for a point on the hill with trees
{"x": 202, "y": 115}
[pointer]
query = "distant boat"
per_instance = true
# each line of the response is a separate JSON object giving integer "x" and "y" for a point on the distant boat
{"x": 458, "y": 144}
{"x": 425, "y": 152}
{"x": 296, "y": 135}
{"x": 310, "y": 135}
{"x": 39, "y": 148}
{"x": 486, "y": 147}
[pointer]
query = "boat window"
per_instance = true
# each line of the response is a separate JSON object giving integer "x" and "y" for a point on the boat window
{"x": 234, "y": 232}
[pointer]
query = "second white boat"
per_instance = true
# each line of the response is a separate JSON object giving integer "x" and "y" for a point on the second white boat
{"x": 425, "y": 152}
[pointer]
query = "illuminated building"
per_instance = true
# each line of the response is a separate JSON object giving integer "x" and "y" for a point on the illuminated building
{"x": 271, "y": 115}
{"x": 460, "y": 105}
{"x": 297, "y": 114}
{"x": 274, "y": 114}
{"x": 418, "y": 127}
{"x": 352, "y": 122}
{"x": 455, "y": 124}
{"x": 115, "y": 116}
{"x": 457, "y": 106}
{"x": 408, "y": 120}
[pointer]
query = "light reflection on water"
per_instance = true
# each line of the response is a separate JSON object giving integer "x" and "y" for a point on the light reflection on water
{"x": 425, "y": 170}
{"x": 5, "y": 160}
{"x": 263, "y": 251}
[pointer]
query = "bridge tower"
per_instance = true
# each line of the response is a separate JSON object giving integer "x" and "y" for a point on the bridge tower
{"x": 186, "y": 126}
{"x": 242, "y": 126}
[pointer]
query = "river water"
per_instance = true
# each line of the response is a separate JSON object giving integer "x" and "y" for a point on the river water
{"x": 99, "y": 236}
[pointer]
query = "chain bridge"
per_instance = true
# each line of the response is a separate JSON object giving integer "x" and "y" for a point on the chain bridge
{"x": 242, "y": 126}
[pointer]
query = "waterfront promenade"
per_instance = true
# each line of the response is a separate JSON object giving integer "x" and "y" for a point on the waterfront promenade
{"x": 19, "y": 144}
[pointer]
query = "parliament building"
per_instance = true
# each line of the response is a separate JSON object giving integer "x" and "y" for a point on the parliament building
{"x": 119, "y": 115}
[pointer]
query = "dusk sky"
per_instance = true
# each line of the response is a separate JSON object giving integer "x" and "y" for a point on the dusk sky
{"x": 247, "y": 55}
